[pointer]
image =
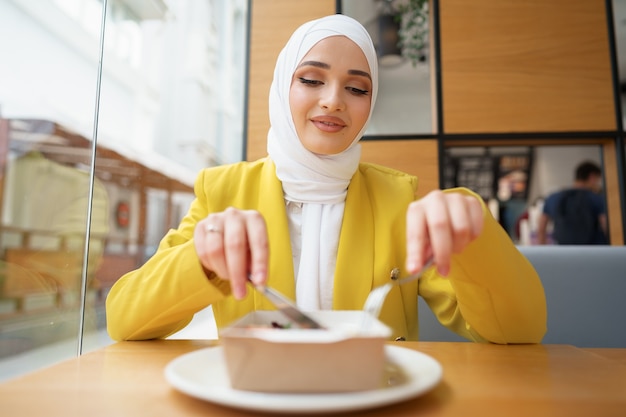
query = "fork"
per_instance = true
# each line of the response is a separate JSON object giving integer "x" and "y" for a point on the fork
{"x": 376, "y": 298}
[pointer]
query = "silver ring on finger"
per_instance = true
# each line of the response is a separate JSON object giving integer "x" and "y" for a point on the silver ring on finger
{"x": 211, "y": 228}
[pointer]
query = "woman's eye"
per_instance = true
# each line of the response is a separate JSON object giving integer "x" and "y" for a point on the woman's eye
{"x": 309, "y": 82}
{"x": 358, "y": 91}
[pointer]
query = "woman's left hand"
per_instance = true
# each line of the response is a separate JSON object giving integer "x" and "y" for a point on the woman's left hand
{"x": 439, "y": 225}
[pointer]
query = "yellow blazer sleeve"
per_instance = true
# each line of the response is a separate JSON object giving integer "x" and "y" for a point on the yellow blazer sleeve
{"x": 162, "y": 296}
{"x": 492, "y": 292}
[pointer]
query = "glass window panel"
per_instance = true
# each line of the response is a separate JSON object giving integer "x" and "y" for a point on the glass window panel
{"x": 172, "y": 110}
{"x": 171, "y": 104}
{"x": 47, "y": 98}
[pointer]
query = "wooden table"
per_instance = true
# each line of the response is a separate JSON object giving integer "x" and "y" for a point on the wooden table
{"x": 126, "y": 379}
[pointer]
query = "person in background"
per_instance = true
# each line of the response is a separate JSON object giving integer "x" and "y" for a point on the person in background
{"x": 578, "y": 213}
{"x": 323, "y": 228}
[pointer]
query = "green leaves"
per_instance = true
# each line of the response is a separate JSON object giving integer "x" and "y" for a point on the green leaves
{"x": 413, "y": 15}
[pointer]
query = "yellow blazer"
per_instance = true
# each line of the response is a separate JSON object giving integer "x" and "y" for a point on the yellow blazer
{"x": 491, "y": 294}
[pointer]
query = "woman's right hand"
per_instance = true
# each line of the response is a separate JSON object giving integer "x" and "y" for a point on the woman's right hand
{"x": 234, "y": 245}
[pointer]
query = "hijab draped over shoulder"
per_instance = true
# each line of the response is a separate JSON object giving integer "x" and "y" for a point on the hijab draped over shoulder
{"x": 319, "y": 182}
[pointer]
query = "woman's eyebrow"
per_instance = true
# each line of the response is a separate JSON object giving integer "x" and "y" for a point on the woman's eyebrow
{"x": 361, "y": 73}
{"x": 317, "y": 64}
{"x": 324, "y": 65}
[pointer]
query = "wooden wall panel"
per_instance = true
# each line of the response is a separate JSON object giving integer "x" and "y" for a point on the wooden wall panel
{"x": 272, "y": 23}
{"x": 417, "y": 157}
{"x": 611, "y": 185}
{"x": 524, "y": 66}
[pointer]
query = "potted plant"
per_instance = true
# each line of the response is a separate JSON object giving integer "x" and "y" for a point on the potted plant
{"x": 413, "y": 33}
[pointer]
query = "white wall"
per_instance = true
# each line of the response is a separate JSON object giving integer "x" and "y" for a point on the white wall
{"x": 554, "y": 166}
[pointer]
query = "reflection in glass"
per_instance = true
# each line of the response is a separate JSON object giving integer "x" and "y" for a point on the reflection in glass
{"x": 47, "y": 95}
{"x": 405, "y": 104}
{"x": 171, "y": 104}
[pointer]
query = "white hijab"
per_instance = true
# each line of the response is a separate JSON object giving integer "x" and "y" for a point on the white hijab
{"x": 320, "y": 182}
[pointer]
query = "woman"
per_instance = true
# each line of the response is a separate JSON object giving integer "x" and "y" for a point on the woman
{"x": 335, "y": 227}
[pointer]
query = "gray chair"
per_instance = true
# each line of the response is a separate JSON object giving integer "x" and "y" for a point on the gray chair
{"x": 585, "y": 290}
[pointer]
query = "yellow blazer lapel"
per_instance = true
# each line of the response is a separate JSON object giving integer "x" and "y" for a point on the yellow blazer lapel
{"x": 355, "y": 270}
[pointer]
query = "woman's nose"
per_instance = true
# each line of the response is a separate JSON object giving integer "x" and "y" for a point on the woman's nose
{"x": 331, "y": 99}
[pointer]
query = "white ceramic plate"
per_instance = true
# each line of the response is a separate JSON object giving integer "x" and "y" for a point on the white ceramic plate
{"x": 202, "y": 374}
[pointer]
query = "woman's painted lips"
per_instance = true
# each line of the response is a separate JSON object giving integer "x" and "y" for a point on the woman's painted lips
{"x": 328, "y": 124}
